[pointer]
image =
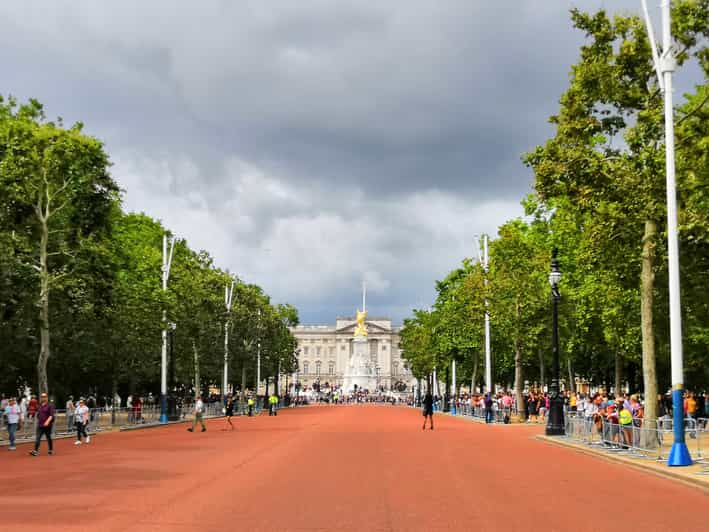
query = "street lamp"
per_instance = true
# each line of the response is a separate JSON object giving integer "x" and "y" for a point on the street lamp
{"x": 171, "y": 397}
{"x": 555, "y": 421}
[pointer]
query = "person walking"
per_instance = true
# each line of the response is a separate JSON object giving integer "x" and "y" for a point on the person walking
{"x": 69, "y": 413}
{"x": 229, "y": 411}
{"x": 198, "y": 413}
{"x": 32, "y": 407}
{"x": 427, "y": 409}
{"x": 13, "y": 413}
{"x": 81, "y": 416}
{"x": 45, "y": 421}
{"x": 272, "y": 404}
{"x": 250, "y": 404}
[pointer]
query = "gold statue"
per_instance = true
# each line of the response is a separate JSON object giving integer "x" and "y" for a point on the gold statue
{"x": 361, "y": 329}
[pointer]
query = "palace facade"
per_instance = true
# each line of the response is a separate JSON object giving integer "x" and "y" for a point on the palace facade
{"x": 324, "y": 353}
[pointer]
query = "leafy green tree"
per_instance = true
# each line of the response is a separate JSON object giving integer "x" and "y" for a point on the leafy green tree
{"x": 59, "y": 193}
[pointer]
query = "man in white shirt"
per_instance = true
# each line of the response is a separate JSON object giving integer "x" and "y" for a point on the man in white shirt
{"x": 198, "y": 413}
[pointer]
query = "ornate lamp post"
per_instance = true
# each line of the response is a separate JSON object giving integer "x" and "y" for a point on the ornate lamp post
{"x": 555, "y": 421}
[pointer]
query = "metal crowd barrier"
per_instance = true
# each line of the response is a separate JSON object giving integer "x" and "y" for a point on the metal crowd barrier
{"x": 101, "y": 419}
{"x": 640, "y": 439}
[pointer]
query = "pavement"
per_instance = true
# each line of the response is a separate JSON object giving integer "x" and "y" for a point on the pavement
{"x": 345, "y": 468}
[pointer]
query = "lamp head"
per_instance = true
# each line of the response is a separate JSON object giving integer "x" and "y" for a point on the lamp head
{"x": 555, "y": 274}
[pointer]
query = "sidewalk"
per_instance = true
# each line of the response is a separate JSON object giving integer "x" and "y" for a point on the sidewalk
{"x": 691, "y": 475}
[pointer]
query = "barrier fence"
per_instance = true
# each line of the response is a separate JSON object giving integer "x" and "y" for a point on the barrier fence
{"x": 101, "y": 419}
{"x": 646, "y": 439}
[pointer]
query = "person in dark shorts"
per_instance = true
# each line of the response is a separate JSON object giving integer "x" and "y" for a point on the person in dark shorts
{"x": 427, "y": 410}
{"x": 229, "y": 411}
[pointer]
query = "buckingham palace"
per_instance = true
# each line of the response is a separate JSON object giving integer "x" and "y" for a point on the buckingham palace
{"x": 324, "y": 352}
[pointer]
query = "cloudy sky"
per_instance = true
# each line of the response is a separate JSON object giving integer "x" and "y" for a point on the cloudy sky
{"x": 309, "y": 144}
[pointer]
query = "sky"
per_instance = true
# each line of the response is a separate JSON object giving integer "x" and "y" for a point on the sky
{"x": 309, "y": 145}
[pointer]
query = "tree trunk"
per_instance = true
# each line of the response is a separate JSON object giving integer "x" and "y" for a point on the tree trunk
{"x": 647, "y": 285}
{"x": 44, "y": 351}
{"x": 243, "y": 386}
{"x": 197, "y": 385}
{"x": 519, "y": 383}
{"x": 618, "y": 374}
{"x": 572, "y": 381}
{"x": 542, "y": 379}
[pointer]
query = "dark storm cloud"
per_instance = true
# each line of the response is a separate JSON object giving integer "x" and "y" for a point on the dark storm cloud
{"x": 329, "y": 139}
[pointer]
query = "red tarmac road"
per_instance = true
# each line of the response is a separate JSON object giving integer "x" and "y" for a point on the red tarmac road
{"x": 335, "y": 468}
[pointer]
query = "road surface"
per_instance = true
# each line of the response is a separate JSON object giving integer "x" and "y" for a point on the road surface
{"x": 342, "y": 468}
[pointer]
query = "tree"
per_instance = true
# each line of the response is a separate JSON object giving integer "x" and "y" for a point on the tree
{"x": 61, "y": 194}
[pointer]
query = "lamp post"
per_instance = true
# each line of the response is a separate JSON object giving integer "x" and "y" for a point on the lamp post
{"x": 165, "y": 271}
{"x": 665, "y": 64}
{"x": 555, "y": 421}
{"x": 171, "y": 396}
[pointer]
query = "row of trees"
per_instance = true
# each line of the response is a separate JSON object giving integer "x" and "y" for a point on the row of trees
{"x": 81, "y": 301}
{"x": 600, "y": 199}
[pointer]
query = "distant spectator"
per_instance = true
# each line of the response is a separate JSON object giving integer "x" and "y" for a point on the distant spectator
{"x": 32, "y": 407}
{"x": 427, "y": 409}
{"x": 69, "y": 413}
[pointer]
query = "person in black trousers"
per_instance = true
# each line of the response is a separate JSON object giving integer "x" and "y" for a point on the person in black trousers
{"x": 427, "y": 410}
{"x": 45, "y": 421}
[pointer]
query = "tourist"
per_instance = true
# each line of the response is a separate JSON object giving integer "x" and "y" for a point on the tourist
{"x": 45, "y": 422}
{"x": 427, "y": 409}
{"x": 198, "y": 413}
{"x": 32, "y": 407}
{"x": 81, "y": 421}
{"x": 250, "y": 404}
{"x": 14, "y": 420}
{"x": 488, "y": 408}
{"x": 69, "y": 413}
{"x": 532, "y": 408}
{"x": 229, "y": 411}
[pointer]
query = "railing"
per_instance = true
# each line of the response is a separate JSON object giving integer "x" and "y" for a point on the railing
{"x": 640, "y": 439}
{"x": 101, "y": 419}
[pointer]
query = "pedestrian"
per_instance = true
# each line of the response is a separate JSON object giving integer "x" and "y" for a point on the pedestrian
{"x": 198, "y": 412}
{"x": 81, "y": 416}
{"x": 13, "y": 413}
{"x": 69, "y": 413}
{"x": 250, "y": 404}
{"x": 272, "y": 404}
{"x": 229, "y": 411}
{"x": 488, "y": 408}
{"x": 45, "y": 422}
{"x": 427, "y": 409}
{"x": 32, "y": 407}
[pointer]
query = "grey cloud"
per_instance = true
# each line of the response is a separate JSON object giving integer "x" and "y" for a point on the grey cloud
{"x": 307, "y": 144}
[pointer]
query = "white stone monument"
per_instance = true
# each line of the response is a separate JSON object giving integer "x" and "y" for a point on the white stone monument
{"x": 359, "y": 371}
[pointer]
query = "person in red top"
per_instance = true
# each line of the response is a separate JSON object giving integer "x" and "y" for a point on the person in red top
{"x": 45, "y": 420}
{"x": 32, "y": 407}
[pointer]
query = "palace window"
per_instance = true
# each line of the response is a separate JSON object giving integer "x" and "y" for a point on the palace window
{"x": 306, "y": 367}
{"x": 395, "y": 369}
{"x": 317, "y": 367}
{"x": 305, "y": 351}
{"x": 317, "y": 349}
{"x": 331, "y": 368}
